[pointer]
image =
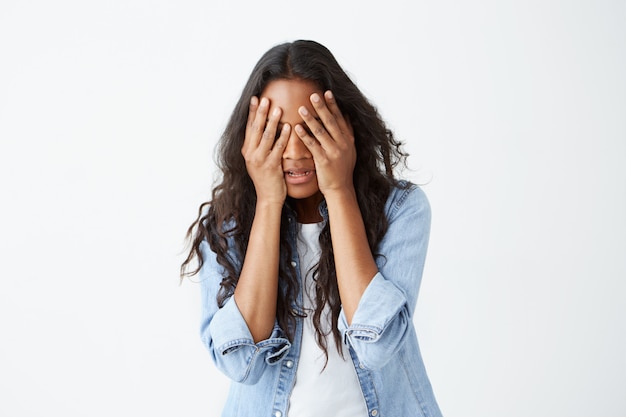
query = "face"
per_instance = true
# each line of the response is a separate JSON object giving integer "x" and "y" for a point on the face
{"x": 298, "y": 165}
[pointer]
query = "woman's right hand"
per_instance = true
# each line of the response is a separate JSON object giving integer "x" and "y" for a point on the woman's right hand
{"x": 263, "y": 151}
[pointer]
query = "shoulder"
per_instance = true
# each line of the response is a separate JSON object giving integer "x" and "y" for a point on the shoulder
{"x": 407, "y": 196}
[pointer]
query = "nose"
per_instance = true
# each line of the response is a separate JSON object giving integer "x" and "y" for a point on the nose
{"x": 296, "y": 149}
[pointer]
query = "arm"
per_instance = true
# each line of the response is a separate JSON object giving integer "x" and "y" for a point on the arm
{"x": 378, "y": 298}
{"x": 334, "y": 153}
{"x": 226, "y": 335}
{"x": 257, "y": 288}
{"x": 243, "y": 336}
{"x": 384, "y": 317}
{"x": 354, "y": 262}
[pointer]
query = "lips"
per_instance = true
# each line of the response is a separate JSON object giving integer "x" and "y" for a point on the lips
{"x": 299, "y": 176}
{"x": 299, "y": 173}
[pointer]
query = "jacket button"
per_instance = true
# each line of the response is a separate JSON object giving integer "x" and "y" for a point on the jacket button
{"x": 293, "y": 263}
{"x": 289, "y": 364}
{"x": 374, "y": 413}
{"x": 278, "y": 414}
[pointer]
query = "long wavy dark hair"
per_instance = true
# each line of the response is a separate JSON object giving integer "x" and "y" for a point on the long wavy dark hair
{"x": 226, "y": 220}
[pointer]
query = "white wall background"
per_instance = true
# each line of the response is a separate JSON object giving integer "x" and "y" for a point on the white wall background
{"x": 513, "y": 111}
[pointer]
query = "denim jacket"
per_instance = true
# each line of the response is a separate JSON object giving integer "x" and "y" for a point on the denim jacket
{"x": 381, "y": 338}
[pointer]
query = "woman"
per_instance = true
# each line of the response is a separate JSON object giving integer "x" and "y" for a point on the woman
{"x": 311, "y": 252}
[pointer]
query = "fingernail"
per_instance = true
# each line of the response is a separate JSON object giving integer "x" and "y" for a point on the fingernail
{"x": 254, "y": 100}
{"x": 315, "y": 98}
{"x": 329, "y": 94}
{"x": 276, "y": 111}
{"x": 264, "y": 101}
{"x": 304, "y": 111}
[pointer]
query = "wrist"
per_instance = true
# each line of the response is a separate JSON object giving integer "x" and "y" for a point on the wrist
{"x": 270, "y": 203}
{"x": 340, "y": 195}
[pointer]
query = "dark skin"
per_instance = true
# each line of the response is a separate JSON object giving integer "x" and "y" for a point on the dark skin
{"x": 298, "y": 143}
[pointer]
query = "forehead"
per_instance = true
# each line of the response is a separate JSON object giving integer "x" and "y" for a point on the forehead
{"x": 290, "y": 93}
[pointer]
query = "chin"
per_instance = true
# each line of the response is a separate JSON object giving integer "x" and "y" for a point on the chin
{"x": 304, "y": 194}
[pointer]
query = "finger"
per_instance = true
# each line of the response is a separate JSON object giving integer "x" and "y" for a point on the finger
{"x": 258, "y": 123}
{"x": 270, "y": 132}
{"x": 326, "y": 115}
{"x": 254, "y": 105}
{"x": 317, "y": 130}
{"x": 281, "y": 143}
{"x": 342, "y": 121}
{"x": 310, "y": 142}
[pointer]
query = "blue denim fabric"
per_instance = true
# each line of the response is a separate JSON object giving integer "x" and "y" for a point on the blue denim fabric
{"x": 381, "y": 339}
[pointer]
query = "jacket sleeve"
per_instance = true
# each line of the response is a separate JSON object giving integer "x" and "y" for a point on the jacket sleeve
{"x": 384, "y": 316}
{"x": 225, "y": 333}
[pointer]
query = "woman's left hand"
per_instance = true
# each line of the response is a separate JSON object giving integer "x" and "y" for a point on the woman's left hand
{"x": 330, "y": 140}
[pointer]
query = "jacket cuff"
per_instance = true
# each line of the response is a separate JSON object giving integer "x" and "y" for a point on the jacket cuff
{"x": 231, "y": 338}
{"x": 381, "y": 302}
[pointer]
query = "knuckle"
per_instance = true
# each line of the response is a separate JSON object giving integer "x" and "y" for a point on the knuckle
{"x": 256, "y": 127}
{"x": 331, "y": 122}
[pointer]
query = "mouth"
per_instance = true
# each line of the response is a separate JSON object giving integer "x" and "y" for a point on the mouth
{"x": 297, "y": 174}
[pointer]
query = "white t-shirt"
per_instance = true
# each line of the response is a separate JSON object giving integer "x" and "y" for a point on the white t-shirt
{"x": 318, "y": 391}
